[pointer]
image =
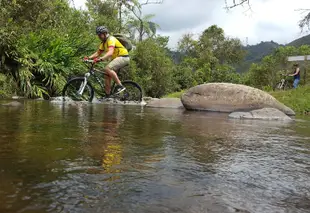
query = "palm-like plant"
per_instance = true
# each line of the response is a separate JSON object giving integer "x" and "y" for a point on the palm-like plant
{"x": 142, "y": 26}
{"x": 139, "y": 25}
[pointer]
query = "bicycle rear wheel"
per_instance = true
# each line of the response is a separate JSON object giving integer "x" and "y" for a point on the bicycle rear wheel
{"x": 73, "y": 87}
{"x": 288, "y": 86}
{"x": 133, "y": 92}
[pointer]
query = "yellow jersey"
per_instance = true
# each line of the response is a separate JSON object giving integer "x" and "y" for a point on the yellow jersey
{"x": 119, "y": 49}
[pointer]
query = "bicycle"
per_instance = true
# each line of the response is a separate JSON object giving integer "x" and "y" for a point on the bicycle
{"x": 283, "y": 84}
{"x": 80, "y": 88}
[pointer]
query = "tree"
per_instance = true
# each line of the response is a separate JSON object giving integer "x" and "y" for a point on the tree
{"x": 267, "y": 73}
{"x": 212, "y": 56}
{"x": 234, "y": 3}
{"x": 187, "y": 45}
{"x": 41, "y": 47}
{"x": 133, "y": 6}
{"x": 141, "y": 23}
{"x": 303, "y": 23}
{"x": 104, "y": 13}
{"x": 143, "y": 26}
{"x": 42, "y": 43}
{"x": 153, "y": 68}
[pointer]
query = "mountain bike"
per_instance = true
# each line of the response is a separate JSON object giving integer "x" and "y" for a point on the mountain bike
{"x": 284, "y": 84}
{"x": 81, "y": 89}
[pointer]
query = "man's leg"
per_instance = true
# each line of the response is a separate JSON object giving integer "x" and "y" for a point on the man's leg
{"x": 112, "y": 74}
{"x": 296, "y": 81}
{"x": 107, "y": 84}
{"x": 114, "y": 65}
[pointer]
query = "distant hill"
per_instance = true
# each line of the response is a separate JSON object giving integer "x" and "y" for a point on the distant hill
{"x": 300, "y": 41}
{"x": 255, "y": 53}
{"x": 258, "y": 51}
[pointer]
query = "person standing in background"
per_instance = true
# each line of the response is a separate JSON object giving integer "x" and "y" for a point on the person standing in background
{"x": 296, "y": 75}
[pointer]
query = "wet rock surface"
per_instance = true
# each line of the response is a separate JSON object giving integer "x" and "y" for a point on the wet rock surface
{"x": 174, "y": 103}
{"x": 227, "y": 97}
{"x": 13, "y": 104}
{"x": 261, "y": 114}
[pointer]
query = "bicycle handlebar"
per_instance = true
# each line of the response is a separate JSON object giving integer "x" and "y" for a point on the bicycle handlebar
{"x": 88, "y": 61}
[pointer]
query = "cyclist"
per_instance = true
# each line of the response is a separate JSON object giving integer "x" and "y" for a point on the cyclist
{"x": 117, "y": 52}
{"x": 296, "y": 75}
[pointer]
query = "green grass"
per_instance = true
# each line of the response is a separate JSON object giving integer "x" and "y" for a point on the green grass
{"x": 297, "y": 99}
{"x": 175, "y": 94}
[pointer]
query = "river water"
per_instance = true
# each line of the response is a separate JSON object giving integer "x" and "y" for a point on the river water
{"x": 119, "y": 159}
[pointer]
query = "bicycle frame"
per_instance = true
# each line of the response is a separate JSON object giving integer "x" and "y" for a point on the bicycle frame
{"x": 283, "y": 83}
{"x": 92, "y": 72}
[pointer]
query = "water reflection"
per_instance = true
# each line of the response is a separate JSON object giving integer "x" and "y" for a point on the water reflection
{"x": 105, "y": 158}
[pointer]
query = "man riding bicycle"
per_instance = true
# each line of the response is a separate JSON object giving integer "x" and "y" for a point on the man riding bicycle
{"x": 117, "y": 52}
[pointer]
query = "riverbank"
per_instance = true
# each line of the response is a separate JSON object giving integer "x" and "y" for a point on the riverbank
{"x": 297, "y": 99}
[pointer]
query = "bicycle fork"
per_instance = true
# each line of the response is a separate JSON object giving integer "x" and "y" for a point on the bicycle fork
{"x": 83, "y": 84}
{"x": 282, "y": 83}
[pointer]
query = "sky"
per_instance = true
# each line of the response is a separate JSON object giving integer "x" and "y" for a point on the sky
{"x": 267, "y": 20}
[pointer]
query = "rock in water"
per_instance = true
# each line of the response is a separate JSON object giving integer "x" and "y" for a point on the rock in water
{"x": 174, "y": 103}
{"x": 261, "y": 114}
{"x": 227, "y": 97}
{"x": 12, "y": 104}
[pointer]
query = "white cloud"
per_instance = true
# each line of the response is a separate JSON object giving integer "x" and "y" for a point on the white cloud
{"x": 268, "y": 20}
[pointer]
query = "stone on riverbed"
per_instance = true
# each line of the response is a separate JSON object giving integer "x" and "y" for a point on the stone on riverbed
{"x": 13, "y": 104}
{"x": 174, "y": 103}
{"x": 227, "y": 97}
{"x": 17, "y": 97}
{"x": 261, "y": 114}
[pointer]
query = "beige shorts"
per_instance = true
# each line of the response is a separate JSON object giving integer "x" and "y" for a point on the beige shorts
{"x": 118, "y": 63}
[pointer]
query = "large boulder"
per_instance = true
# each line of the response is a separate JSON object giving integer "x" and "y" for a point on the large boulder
{"x": 227, "y": 97}
{"x": 174, "y": 103}
{"x": 261, "y": 114}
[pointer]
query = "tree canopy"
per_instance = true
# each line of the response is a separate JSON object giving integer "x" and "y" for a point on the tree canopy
{"x": 42, "y": 44}
{"x": 304, "y": 23}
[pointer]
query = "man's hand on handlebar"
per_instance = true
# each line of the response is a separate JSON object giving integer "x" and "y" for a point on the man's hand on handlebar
{"x": 94, "y": 61}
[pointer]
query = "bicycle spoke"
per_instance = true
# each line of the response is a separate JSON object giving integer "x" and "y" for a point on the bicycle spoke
{"x": 131, "y": 94}
{"x": 77, "y": 90}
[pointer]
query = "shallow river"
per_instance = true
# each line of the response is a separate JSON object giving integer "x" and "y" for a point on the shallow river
{"x": 119, "y": 159}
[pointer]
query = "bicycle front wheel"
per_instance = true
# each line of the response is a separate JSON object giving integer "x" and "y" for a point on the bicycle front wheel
{"x": 77, "y": 91}
{"x": 278, "y": 86}
{"x": 132, "y": 93}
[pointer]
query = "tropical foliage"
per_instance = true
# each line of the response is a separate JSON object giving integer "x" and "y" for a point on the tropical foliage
{"x": 42, "y": 44}
{"x": 267, "y": 73}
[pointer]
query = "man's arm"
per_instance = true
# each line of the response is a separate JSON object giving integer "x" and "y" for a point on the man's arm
{"x": 108, "y": 54}
{"x": 296, "y": 72}
{"x": 96, "y": 54}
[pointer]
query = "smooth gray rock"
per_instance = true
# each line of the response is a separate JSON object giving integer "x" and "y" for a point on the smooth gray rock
{"x": 17, "y": 97}
{"x": 174, "y": 103}
{"x": 261, "y": 114}
{"x": 13, "y": 104}
{"x": 227, "y": 97}
{"x": 146, "y": 99}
